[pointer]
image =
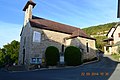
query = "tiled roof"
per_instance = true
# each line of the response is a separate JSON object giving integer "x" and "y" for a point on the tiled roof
{"x": 55, "y": 26}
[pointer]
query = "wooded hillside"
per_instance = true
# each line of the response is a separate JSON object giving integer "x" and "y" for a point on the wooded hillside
{"x": 99, "y": 33}
{"x": 94, "y": 30}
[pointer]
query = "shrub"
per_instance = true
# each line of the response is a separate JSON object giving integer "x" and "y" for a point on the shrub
{"x": 72, "y": 56}
{"x": 52, "y": 56}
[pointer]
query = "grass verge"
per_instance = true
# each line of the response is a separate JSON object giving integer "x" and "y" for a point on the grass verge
{"x": 116, "y": 56}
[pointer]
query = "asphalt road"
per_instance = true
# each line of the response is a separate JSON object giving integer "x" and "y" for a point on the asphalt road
{"x": 106, "y": 69}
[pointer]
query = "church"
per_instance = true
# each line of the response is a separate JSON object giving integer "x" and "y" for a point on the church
{"x": 38, "y": 33}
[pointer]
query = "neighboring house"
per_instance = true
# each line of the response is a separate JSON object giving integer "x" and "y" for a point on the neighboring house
{"x": 113, "y": 40}
{"x": 38, "y": 33}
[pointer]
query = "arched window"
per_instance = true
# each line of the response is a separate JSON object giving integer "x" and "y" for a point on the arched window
{"x": 62, "y": 48}
{"x": 36, "y": 36}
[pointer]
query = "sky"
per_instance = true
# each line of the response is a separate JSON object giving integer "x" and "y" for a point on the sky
{"x": 79, "y": 13}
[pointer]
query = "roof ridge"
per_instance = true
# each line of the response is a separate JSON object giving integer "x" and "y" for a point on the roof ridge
{"x": 35, "y": 17}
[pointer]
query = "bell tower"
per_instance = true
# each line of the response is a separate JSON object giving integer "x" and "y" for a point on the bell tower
{"x": 28, "y": 11}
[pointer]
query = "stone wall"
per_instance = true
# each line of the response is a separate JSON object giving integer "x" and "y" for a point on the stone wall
{"x": 92, "y": 48}
{"x": 51, "y": 38}
{"x": 25, "y": 41}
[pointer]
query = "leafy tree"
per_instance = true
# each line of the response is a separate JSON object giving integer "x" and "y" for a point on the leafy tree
{"x": 99, "y": 42}
{"x": 9, "y": 53}
{"x": 2, "y": 60}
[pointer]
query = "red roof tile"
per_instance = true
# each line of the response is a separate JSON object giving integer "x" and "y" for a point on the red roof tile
{"x": 55, "y": 26}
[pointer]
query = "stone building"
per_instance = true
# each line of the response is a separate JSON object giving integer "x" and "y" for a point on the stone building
{"x": 113, "y": 40}
{"x": 39, "y": 33}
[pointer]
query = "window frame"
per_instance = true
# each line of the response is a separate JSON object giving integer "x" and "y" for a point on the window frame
{"x": 37, "y": 36}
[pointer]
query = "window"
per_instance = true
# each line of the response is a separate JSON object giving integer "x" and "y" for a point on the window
{"x": 107, "y": 49}
{"x": 62, "y": 48}
{"x": 43, "y": 36}
{"x": 87, "y": 47}
{"x": 36, "y": 36}
{"x": 118, "y": 34}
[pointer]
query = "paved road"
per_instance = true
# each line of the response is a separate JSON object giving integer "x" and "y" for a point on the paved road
{"x": 102, "y": 70}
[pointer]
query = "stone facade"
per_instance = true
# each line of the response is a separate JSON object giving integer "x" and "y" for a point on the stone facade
{"x": 51, "y": 38}
{"x": 25, "y": 45}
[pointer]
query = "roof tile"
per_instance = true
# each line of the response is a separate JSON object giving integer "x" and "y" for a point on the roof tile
{"x": 55, "y": 26}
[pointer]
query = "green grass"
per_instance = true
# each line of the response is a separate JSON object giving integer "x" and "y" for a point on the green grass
{"x": 116, "y": 56}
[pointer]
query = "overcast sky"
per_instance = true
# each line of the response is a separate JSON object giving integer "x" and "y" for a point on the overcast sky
{"x": 79, "y": 13}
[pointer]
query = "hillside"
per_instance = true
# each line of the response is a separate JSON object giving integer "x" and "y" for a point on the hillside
{"x": 99, "y": 33}
{"x": 94, "y": 30}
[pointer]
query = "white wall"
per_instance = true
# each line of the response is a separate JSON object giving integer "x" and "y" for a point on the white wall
{"x": 116, "y": 36}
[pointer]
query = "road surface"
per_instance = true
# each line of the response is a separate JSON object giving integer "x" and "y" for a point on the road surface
{"x": 106, "y": 69}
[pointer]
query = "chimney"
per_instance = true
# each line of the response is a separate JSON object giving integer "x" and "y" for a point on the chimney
{"x": 28, "y": 11}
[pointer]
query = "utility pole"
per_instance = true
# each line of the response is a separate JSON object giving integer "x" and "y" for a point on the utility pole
{"x": 118, "y": 12}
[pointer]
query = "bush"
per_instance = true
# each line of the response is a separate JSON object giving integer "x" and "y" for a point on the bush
{"x": 52, "y": 56}
{"x": 72, "y": 56}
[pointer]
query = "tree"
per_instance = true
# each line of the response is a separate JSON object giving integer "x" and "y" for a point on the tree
{"x": 99, "y": 42}
{"x": 9, "y": 53}
{"x": 2, "y": 60}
